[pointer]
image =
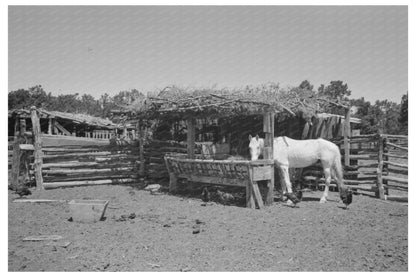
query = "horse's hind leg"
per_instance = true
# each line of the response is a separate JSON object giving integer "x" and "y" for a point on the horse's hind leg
{"x": 327, "y": 172}
{"x": 286, "y": 177}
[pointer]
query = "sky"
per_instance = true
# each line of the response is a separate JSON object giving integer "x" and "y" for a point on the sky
{"x": 107, "y": 49}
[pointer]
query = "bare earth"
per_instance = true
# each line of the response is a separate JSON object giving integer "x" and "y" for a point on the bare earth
{"x": 369, "y": 236}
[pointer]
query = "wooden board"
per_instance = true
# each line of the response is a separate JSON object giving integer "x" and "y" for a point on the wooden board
{"x": 262, "y": 173}
{"x": 42, "y": 237}
{"x": 214, "y": 180}
{"x": 37, "y": 200}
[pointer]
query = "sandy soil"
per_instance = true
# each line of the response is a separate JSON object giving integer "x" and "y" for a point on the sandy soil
{"x": 370, "y": 236}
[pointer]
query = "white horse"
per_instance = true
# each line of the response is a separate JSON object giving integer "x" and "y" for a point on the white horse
{"x": 290, "y": 153}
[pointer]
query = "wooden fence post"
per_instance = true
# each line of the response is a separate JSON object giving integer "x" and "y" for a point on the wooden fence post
{"x": 380, "y": 186}
{"x": 16, "y": 154}
{"x": 37, "y": 143}
{"x": 24, "y": 155}
{"x": 141, "y": 150}
{"x": 268, "y": 128}
{"x": 190, "y": 123}
{"x": 347, "y": 135}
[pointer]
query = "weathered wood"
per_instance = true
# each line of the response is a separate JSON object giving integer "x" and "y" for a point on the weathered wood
{"x": 365, "y": 136}
{"x": 16, "y": 162}
{"x": 390, "y": 155}
{"x": 397, "y": 146}
{"x": 27, "y": 147}
{"x": 400, "y": 198}
{"x": 62, "y": 129}
{"x": 37, "y": 143}
{"x": 358, "y": 182}
{"x": 395, "y": 136}
{"x": 102, "y": 153}
{"x": 67, "y": 150}
{"x": 77, "y": 164}
{"x": 50, "y": 126}
{"x": 190, "y": 123}
{"x": 400, "y": 187}
{"x": 257, "y": 195}
{"x": 396, "y": 179}
{"x": 397, "y": 164}
{"x": 172, "y": 176}
{"x": 398, "y": 171}
{"x": 380, "y": 192}
{"x": 85, "y": 177}
{"x": 214, "y": 180}
{"x": 87, "y": 170}
{"x": 347, "y": 134}
{"x": 141, "y": 150}
{"x": 37, "y": 201}
{"x": 51, "y": 185}
{"x": 364, "y": 187}
{"x": 262, "y": 173}
{"x": 250, "y": 203}
{"x": 268, "y": 128}
{"x": 42, "y": 237}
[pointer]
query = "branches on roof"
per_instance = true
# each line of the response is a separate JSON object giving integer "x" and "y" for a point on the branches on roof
{"x": 207, "y": 102}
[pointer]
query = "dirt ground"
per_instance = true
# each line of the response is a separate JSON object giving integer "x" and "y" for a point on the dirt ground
{"x": 163, "y": 235}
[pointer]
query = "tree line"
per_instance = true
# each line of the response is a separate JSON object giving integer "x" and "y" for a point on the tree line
{"x": 383, "y": 116}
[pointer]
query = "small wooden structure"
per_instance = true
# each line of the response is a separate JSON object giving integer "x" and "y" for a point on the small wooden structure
{"x": 55, "y": 123}
{"x": 266, "y": 101}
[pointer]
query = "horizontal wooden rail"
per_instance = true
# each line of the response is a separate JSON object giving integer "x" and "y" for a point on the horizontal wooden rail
{"x": 397, "y": 146}
{"x": 396, "y": 179}
{"x": 51, "y": 185}
{"x": 396, "y": 164}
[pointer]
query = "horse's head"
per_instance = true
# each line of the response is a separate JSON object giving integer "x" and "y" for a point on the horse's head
{"x": 256, "y": 147}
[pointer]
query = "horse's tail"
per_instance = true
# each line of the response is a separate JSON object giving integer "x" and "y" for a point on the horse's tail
{"x": 337, "y": 169}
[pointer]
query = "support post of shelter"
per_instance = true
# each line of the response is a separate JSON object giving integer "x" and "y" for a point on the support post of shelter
{"x": 347, "y": 135}
{"x": 190, "y": 123}
{"x": 268, "y": 128}
{"x": 50, "y": 126}
{"x": 37, "y": 143}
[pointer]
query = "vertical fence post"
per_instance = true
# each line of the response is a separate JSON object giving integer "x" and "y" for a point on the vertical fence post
{"x": 24, "y": 155}
{"x": 347, "y": 135}
{"x": 380, "y": 192}
{"x": 37, "y": 143}
{"x": 268, "y": 128}
{"x": 16, "y": 154}
{"x": 141, "y": 149}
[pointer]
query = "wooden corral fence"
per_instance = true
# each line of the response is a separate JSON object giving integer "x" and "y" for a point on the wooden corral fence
{"x": 236, "y": 173}
{"x": 68, "y": 166}
{"x": 70, "y": 161}
{"x": 376, "y": 163}
{"x": 393, "y": 163}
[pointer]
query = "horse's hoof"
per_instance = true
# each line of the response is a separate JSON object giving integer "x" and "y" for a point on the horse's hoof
{"x": 322, "y": 201}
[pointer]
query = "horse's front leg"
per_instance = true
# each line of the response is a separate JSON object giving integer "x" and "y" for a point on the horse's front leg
{"x": 327, "y": 172}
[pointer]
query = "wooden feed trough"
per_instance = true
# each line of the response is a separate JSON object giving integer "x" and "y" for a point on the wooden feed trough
{"x": 224, "y": 172}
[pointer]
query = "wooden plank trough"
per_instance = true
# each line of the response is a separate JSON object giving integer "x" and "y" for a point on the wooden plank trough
{"x": 239, "y": 173}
